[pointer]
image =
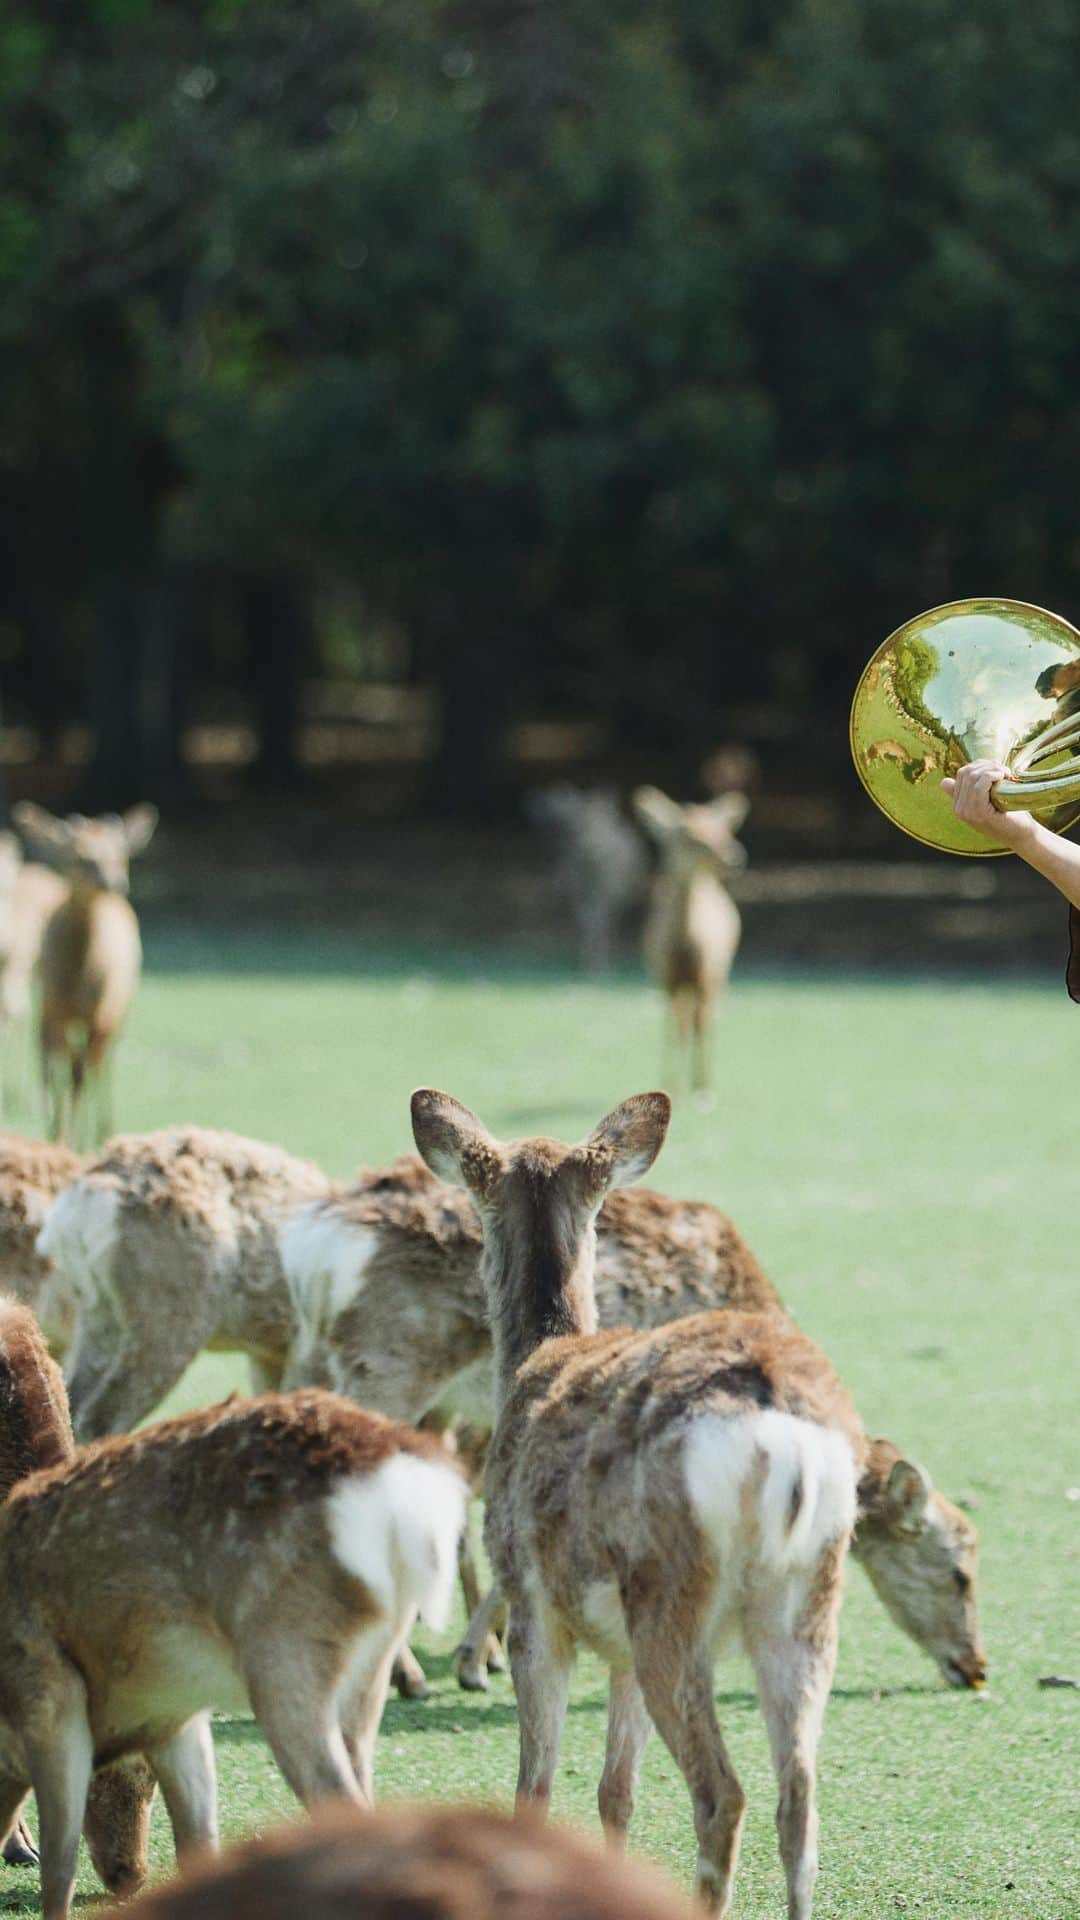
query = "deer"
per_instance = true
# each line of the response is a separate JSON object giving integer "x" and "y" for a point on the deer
{"x": 167, "y": 1243}
{"x": 656, "y": 1496}
{"x": 268, "y": 1553}
{"x": 692, "y": 927}
{"x": 91, "y": 955}
{"x": 389, "y": 1309}
{"x": 31, "y": 894}
{"x": 600, "y": 866}
{"x": 444, "y": 1863}
{"x": 33, "y": 1173}
{"x": 35, "y": 1433}
{"x": 175, "y": 1241}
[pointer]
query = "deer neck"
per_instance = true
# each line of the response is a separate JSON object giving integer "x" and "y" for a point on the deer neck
{"x": 539, "y": 1287}
{"x": 83, "y": 897}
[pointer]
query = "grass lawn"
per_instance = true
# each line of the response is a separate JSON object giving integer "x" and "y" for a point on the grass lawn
{"x": 904, "y": 1159}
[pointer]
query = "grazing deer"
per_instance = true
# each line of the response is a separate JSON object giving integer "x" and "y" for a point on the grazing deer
{"x": 269, "y": 1552}
{"x": 600, "y": 865}
{"x": 417, "y": 1863}
{"x": 654, "y": 1496}
{"x": 692, "y": 928}
{"x": 35, "y": 1432}
{"x": 190, "y": 1238}
{"x": 168, "y": 1242}
{"x": 91, "y": 955}
{"x": 31, "y": 893}
{"x": 32, "y": 1174}
{"x": 920, "y": 1553}
{"x": 389, "y": 1308}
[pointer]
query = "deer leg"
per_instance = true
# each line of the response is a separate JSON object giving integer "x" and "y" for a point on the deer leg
{"x": 408, "y": 1675}
{"x": 467, "y": 1569}
{"x": 674, "y": 1670}
{"x": 294, "y": 1692}
{"x": 701, "y": 1020}
{"x": 61, "y": 1762}
{"x": 13, "y": 1823}
{"x": 19, "y": 1848}
{"x": 628, "y": 1730}
{"x": 186, "y": 1770}
{"x": 363, "y": 1697}
{"x": 794, "y": 1674}
{"x": 77, "y": 1134}
{"x": 99, "y": 1078}
{"x": 474, "y": 1658}
{"x": 55, "y": 1077}
{"x": 541, "y": 1671}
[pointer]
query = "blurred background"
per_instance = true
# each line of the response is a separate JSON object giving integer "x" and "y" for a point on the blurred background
{"x": 407, "y": 404}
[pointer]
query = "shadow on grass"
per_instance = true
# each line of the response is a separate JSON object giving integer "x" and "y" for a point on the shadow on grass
{"x": 450, "y": 1712}
{"x": 26, "y": 1898}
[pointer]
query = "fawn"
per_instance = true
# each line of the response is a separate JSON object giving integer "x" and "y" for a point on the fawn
{"x": 652, "y": 1495}
{"x": 417, "y": 1863}
{"x": 91, "y": 954}
{"x": 692, "y": 928}
{"x": 270, "y": 1551}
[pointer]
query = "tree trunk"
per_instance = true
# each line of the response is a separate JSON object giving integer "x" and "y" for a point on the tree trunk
{"x": 277, "y": 621}
{"x": 470, "y": 775}
{"x": 116, "y": 773}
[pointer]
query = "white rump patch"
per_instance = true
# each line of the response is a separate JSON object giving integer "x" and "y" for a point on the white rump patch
{"x": 80, "y": 1234}
{"x": 806, "y": 1495}
{"x": 397, "y": 1530}
{"x": 325, "y": 1260}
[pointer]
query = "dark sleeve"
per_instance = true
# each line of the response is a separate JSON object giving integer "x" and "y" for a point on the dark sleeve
{"x": 1072, "y": 971}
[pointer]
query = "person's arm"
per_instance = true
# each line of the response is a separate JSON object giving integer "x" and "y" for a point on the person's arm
{"x": 1056, "y": 859}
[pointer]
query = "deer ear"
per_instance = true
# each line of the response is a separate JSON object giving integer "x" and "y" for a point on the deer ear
{"x": 625, "y": 1144}
{"x": 139, "y": 824}
{"x": 454, "y": 1143}
{"x": 658, "y": 815}
{"x": 906, "y": 1496}
{"x": 41, "y": 831}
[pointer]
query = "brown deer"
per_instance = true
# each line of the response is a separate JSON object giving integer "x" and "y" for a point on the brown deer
{"x": 600, "y": 862}
{"x": 654, "y": 1496}
{"x": 190, "y": 1238}
{"x": 168, "y": 1243}
{"x": 692, "y": 928}
{"x": 417, "y": 1863}
{"x": 270, "y": 1552}
{"x": 32, "y": 1174}
{"x": 389, "y": 1307}
{"x": 35, "y": 1432}
{"x": 31, "y": 894}
{"x": 91, "y": 954}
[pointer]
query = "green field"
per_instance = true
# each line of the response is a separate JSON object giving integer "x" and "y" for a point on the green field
{"x": 902, "y": 1158}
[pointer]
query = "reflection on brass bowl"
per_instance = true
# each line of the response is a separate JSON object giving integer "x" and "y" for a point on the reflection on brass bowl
{"x": 973, "y": 680}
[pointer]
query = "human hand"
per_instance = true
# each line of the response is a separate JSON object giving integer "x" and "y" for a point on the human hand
{"x": 970, "y": 792}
